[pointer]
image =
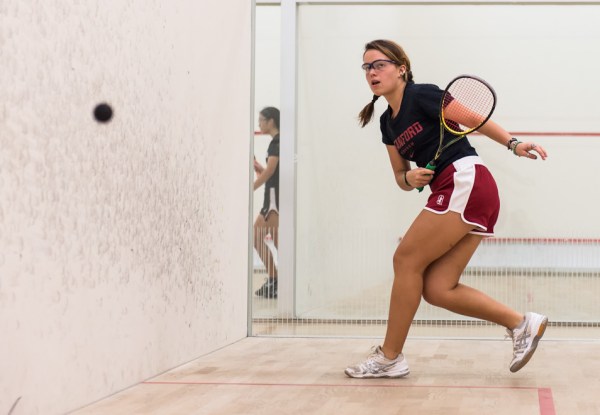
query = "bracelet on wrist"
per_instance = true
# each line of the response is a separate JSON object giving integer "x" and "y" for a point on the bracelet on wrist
{"x": 406, "y": 180}
{"x": 514, "y": 146}
{"x": 510, "y": 143}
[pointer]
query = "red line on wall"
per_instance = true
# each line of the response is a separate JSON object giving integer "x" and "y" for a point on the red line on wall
{"x": 545, "y": 240}
{"x": 534, "y": 133}
{"x": 556, "y": 134}
{"x": 539, "y": 241}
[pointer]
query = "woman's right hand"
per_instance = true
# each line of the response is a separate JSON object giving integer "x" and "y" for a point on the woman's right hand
{"x": 258, "y": 168}
{"x": 419, "y": 176}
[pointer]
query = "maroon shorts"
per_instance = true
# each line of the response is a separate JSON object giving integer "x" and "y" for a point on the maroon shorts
{"x": 467, "y": 187}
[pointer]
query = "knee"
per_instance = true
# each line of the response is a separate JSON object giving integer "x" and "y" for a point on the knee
{"x": 434, "y": 295}
{"x": 406, "y": 263}
{"x": 401, "y": 260}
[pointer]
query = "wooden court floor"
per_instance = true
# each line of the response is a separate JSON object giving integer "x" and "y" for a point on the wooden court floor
{"x": 269, "y": 375}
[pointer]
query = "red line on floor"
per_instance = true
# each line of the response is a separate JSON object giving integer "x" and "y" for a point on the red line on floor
{"x": 545, "y": 398}
{"x": 546, "y": 401}
{"x": 335, "y": 385}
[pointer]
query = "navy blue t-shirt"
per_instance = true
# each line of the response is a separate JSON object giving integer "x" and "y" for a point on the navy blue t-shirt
{"x": 415, "y": 131}
{"x": 273, "y": 181}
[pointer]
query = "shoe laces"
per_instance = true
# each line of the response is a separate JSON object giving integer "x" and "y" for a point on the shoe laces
{"x": 377, "y": 357}
{"x": 372, "y": 364}
{"x": 519, "y": 338}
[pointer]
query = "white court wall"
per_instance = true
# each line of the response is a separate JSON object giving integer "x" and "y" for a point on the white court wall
{"x": 123, "y": 247}
{"x": 541, "y": 61}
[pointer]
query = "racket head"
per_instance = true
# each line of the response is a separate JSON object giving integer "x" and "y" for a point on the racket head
{"x": 467, "y": 104}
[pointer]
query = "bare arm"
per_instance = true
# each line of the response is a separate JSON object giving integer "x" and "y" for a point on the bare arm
{"x": 258, "y": 168}
{"x": 501, "y": 136}
{"x": 407, "y": 178}
{"x": 457, "y": 112}
{"x": 268, "y": 171}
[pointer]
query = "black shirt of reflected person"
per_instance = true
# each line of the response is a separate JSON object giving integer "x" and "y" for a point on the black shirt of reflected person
{"x": 273, "y": 181}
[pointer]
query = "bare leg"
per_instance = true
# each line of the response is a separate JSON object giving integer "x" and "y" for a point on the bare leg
{"x": 442, "y": 287}
{"x": 429, "y": 238}
{"x": 262, "y": 227}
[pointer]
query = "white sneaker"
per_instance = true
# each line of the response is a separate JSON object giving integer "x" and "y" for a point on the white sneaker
{"x": 379, "y": 366}
{"x": 525, "y": 339}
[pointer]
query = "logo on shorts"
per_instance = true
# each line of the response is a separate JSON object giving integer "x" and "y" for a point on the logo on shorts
{"x": 440, "y": 200}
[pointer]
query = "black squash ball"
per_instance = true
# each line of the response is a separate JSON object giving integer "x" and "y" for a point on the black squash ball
{"x": 103, "y": 112}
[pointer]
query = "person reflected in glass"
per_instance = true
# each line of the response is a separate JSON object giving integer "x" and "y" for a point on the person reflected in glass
{"x": 266, "y": 226}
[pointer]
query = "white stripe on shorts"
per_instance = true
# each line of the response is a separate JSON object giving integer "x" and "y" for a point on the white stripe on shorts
{"x": 464, "y": 180}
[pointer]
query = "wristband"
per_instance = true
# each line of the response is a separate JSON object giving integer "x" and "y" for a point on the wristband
{"x": 509, "y": 144}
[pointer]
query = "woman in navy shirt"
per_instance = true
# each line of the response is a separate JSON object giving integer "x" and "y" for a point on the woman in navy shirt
{"x": 461, "y": 210}
{"x": 266, "y": 225}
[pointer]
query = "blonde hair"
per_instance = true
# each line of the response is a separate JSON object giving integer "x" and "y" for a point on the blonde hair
{"x": 395, "y": 52}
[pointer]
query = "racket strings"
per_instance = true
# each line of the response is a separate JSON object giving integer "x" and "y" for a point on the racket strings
{"x": 475, "y": 103}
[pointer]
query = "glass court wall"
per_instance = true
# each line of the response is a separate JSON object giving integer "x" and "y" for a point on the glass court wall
{"x": 348, "y": 214}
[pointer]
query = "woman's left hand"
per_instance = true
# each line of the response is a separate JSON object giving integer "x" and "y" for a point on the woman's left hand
{"x": 525, "y": 150}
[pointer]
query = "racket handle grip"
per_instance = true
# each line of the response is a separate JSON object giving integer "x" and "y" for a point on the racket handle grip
{"x": 430, "y": 167}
